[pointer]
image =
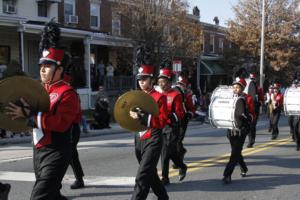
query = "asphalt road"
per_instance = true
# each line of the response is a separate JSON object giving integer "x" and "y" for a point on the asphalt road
{"x": 110, "y": 168}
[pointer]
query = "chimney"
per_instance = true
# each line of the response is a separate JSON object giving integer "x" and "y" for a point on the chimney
{"x": 196, "y": 11}
{"x": 216, "y": 20}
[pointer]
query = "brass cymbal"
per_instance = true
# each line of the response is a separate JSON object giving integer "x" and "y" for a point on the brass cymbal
{"x": 129, "y": 101}
{"x": 12, "y": 89}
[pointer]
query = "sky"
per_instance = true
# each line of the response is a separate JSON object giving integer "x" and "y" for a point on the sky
{"x": 211, "y": 8}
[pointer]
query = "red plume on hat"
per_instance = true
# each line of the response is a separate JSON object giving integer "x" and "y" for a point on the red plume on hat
{"x": 240, "y": 81}
{"x": 182, "y": 80}
{"x": 253, "y": 76}
{"x": 49, "y": 45}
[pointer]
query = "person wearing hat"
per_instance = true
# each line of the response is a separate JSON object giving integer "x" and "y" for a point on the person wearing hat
{"x": 148, "y": 143}
{"x": 277, "y": 105}
{"x": 52, "y": 129}
{"x": 237, "y": 137}
{"x": 189, "y": 109}
{"x": 294, "y": 122}
{"x": 75, "y": 136}
{"x": 258, "y": 101}
{"x": 172, "y": 129}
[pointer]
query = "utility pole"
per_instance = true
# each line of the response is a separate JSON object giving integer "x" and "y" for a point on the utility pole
{"x": 262, "y": 44}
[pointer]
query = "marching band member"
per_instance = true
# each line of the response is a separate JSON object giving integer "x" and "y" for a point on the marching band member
{"x": 258, "y": 101}
{"x": 237, "y": 137}
{"x": 276, "y": 103}
{"x": 189, "y": 109}
{"x": 171, "y": 130}
{"x": 148, "y": 144}
{"x": 75, "y": 137}
{"x": 52, "y": 129}
{"x": 294, "y": 122}
{"x": 268, "y": 103}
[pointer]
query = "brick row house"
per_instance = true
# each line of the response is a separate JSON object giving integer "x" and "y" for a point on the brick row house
{"x": 91, "y": 32}
{"x": 95, "y": 36}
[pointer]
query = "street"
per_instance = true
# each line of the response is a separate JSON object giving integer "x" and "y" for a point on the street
{"x": 110, "y": 167}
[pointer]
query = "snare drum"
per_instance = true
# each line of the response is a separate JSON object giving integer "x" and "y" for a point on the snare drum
{"x": 225, "y": 109}
{"x": 291, "y": 103}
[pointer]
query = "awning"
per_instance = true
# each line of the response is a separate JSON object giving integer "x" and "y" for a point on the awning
{"x": 211, "y": 67}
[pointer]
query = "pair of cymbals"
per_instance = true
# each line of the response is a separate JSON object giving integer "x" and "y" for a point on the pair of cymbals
{"x": 129, "y": 101}
{"x": 14, "y": 88}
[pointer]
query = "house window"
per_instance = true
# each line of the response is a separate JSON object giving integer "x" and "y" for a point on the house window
{"x": 212, "y": 44}
{"x": 116, "y": 24}
{"x": 9, "y": 6}
{"x": 42, "y": 9}
{"x": 69, "y": 7}
{"x": 221, "y": 45}
{"x": 95, "y": 15}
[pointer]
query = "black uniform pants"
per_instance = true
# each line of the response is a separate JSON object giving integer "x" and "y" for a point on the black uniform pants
{"x": 75, "y": 163}
{"x": 147, "y": 153}
{"x": 274, "y": 119}
{"x": 170, "y": 150}
{"x": 183, "y": 127}
{"x": 50, "y": 165}
{"x": 291, "y": 125}
{"x": 252, "y": 132}
{"x": 236, "y": 141}
{"x": 296, "y": 125}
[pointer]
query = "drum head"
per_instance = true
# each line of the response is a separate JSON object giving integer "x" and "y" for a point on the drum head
{"x": 239, "y": 110}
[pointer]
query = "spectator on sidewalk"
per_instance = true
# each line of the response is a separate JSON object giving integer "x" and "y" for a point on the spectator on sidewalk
{"x": 101, "y": 113}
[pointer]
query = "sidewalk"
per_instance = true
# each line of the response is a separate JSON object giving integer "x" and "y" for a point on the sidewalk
{"x": 115, "y": 129}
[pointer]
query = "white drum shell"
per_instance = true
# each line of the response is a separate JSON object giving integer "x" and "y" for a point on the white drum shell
{"x": 222, "y": 108}
{"x": 291, "y": 101}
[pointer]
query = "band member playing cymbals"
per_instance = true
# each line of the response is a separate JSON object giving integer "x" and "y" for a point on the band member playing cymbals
{"x": 237, "y": 137}
{"x": 148, "y": 144}
{"x": 52, "y": 129}
{"x": 172, "y": 129}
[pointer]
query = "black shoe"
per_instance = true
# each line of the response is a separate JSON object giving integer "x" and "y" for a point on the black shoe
{"x": 274, "y": 137}
{"x": 182, "y": 173}
{"x": 250, "y": 146}
{"x": 175, "y": 166}
{"x": 226, "y": 179}
{"x": 298, "y": 148}
{"x": 77, "y": 184}
{"x": 5, "y": 188}
{"x": 243, "y": 174}
{"x": 165, "y": 181}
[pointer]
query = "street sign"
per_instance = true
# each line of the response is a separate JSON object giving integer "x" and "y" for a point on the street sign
{"x": 177, "y": 65}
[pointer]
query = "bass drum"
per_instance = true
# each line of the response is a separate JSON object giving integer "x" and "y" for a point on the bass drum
{"x": 223, "y": 91}
{"x": 250, "y": 88}
{"x": 225, "y": 110}
{"x": 291, "y": 103}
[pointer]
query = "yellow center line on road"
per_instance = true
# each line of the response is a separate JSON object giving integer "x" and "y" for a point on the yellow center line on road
{"x": 197, "y": 165}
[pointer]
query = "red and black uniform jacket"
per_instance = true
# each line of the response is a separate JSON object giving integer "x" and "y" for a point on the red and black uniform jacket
{"x": 189, "y": 105}
{"x": 174, "y": 106}
{"x": 155, "y": 122}
{"x": 53, "y": 127}
{"x": 249, "y": 105}
{"x": 279, "y": 101}
{"x": 260, "y": 95}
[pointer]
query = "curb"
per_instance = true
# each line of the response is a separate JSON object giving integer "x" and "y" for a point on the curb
{"x": 116, "y": 129}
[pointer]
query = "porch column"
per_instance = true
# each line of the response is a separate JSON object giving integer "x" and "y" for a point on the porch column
{"x": 87, "y": 64}
{"x": 21, "y": 46}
